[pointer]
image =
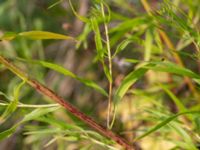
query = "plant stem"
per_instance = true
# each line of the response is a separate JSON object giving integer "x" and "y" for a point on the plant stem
{"x": 49, "y": 93}
{"x": 110, "y": 68}
{"x": 32, "y": 106}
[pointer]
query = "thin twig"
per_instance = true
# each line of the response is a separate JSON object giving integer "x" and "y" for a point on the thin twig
{"x": 49, "y": 93}
{"x": 110, "y": 68}
{"x": 32, "y": 106}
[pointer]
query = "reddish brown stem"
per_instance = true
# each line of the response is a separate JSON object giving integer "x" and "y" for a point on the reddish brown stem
{"x": 49, "y": 93}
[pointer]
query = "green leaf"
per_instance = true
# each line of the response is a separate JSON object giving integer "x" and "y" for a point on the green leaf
{"x": 7, "y": 133}
{"x": 107, "y": 72}
{"x": 163, "y": 123}
{"x": 122, "y": 46}
{"x": 66, "y": 72}
{"x": 42, "y": 35}
{"x": 8, "y": 36}
{"x": 129, "y": 80}
{"x": 13, "y": 104}
{"x": 172, "y": 68}
{"x": 131, "y": 23}
{"x": 132, "y": 60}
{"x": 98, "y": 41}
{"x": 187, "y": 138}
{"x": 177, "y": 101}
{"x": 32, "y": 115}
{"x": 148, "y": 44}
{"x": 38, "y": 112}
{"x": 92, "y": 84}
{"x": 54, "y": 4}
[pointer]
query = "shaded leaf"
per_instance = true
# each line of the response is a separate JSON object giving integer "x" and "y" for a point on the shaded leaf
{"x": 172, "y": 68}
{"x": 177, "y": 101}
{"x": 54, "y": 4}
{"x": 8, "y": 36}
{"x": 122, "y": 46}
{"x": 5, "y": 134}
{"x": 66, "y": 72}
{"x": 98, "y": 41}
{"x": 82, "y": 18}
{"x": 12, "y": 106}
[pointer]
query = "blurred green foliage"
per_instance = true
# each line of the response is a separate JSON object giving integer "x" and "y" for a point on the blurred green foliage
{"x": 152, "y": 98}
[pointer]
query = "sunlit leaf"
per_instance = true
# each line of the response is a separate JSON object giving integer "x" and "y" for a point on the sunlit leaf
{"x": 5, "y": 134}
{"x": 42, "y": 35}
{"x": 148, "y": 45}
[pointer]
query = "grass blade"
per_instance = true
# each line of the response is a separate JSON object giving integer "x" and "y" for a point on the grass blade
{"x": 66, "y": 72}
{"x": 177, "y": 101}
{"x": 7, "y": 133}
{"x": 13, "y": 104}
{"x": 8, "y": 36}
{"x": 167, "y": 66}
{"x": 163, "y": 123}
{"x": 98, "y": 41}
{"x": 43, "y": 35}
{"x": 129, "y": 80}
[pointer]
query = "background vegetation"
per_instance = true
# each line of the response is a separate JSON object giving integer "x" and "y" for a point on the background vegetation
{"x": 131, "y": 65}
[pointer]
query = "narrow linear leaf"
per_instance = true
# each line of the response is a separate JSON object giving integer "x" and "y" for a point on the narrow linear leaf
{"x": 107, "y": 72}
{"x": 54, "y": 4}
{"x": 132, "y": 60}
{"x": 169, "y": 67}
{"x": 98, "y": 41}
{"x": 42, "y": 35}
{"x": 163, "y": 123}
{"x": 5, "y": 134}
{"x": 8, "y": 36}
{"x": 13, "y": 104}
{"x": 129, "y": 80}
{"x": 148, "y": 44}
{"x": 131, "y": 23}
{"x": 38, "y": 112}
{"x": 66, "y": 72}
{"x": 173, "y": 68}
{"x": 92, "y": 85}
{"x": 32, "y": 115}
{"x": 178, "y": 103}
{"x": 122, "y": 46}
